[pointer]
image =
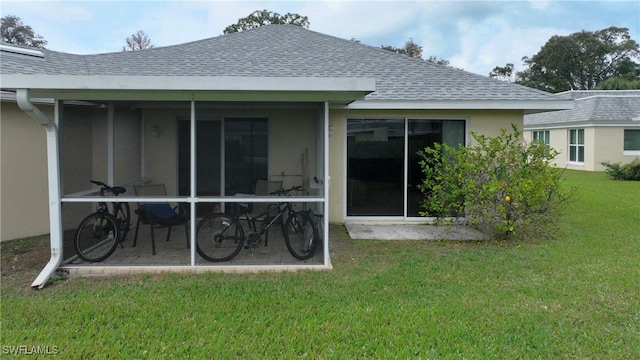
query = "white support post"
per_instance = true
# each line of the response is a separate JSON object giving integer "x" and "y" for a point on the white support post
{"x": 405, "y": 178}
{"x": 327, "y": 181}
{"x": 110, "y": 145}
{"x": 192, "y": 185}
{"x": 143, "y": 167}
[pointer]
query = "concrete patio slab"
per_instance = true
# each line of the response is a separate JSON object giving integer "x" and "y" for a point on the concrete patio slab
{"x": 411, "y": 232}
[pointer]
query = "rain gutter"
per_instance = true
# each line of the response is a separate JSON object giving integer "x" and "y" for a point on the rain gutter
{"x": 23, "y": 99}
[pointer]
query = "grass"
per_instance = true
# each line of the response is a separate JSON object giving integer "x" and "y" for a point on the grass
{"x": 574, "y": 297}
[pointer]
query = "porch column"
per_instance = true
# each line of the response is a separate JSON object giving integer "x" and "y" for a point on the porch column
{"x": 327, "y": 181}
{"x": 110, "y": 144}
{"x": 192, "y": 184}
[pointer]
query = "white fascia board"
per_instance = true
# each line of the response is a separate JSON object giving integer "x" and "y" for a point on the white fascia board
{"x": 581, "y": 124}
{"x": 21, "y": 51}
{"x": 186, "y": 95}
{"x": 186, "y": 83}
{"x": 529, "y": 106}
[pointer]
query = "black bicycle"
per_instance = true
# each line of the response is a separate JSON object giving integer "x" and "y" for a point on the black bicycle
{"x": 99, "y": 234}
{"x": 220, "y": 237}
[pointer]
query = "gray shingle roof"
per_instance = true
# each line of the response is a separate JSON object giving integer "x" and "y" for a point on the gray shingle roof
{"x": 285, "y": 51}
{"x": 592, "y": 106}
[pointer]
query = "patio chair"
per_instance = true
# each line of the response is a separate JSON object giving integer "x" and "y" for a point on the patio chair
{"x": 158, "y": 215}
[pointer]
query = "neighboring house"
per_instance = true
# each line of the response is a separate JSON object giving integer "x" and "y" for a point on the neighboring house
{"x": 603, "y": 126}
{"x": 278, "y": 102}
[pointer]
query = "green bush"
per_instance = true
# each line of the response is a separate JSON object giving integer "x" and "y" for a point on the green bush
{"x": 501, "y": 185}
{"x": 629, "y": 171}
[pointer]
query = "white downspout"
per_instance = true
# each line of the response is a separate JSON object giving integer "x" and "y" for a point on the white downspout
{"x": 55, "y": 211}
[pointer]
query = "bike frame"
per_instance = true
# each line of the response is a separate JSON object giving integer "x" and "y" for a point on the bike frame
{"x": 281, "y": 208}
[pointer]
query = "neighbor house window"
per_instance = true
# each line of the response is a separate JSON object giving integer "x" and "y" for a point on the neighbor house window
{"x": 542, "y": 136}
{"x": 632, "y": 142}
{"x": 576, "y": 145}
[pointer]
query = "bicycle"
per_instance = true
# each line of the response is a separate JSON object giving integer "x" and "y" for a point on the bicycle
{"x": 99, "y": 234}
{"x": 220, "y": 237}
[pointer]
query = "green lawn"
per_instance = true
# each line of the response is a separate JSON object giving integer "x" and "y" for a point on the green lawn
{"x": 574, "y": 297}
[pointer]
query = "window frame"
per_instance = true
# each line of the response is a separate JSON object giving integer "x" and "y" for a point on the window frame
{"x": 546, "y": 136}
{"x": 574, "y": 155}
{"x": 405, "y": 216}
{"x": 633, "y": 151}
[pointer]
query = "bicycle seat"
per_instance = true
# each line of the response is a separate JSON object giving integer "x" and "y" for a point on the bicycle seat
{"x": 116, "y": 190}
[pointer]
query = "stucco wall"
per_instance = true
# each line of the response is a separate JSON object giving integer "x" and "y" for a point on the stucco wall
{"x": 292, "y": 133}
{"x": 24, "y": 197}
{"x": 609, "y": 142}
{"x": 83, "y": 156}
{"x": 84, "y": 153}
{"x": 292, "y": 142}
{"x": 601, "y": 144}
{"x": 482, "y": 122}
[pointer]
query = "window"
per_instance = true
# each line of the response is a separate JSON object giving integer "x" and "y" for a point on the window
{"x": 632, "y": 142}
{"x": 576, "y": 145}
{"x": 541, "y": 135}
{"x": 383, "y": 169}
{"x": 375, "y": 167}
{"x": 240, "y": 162}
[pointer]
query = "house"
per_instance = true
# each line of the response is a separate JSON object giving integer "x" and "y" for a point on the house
{"x": 603, "y": 126}
{"x": 209, "y": 118}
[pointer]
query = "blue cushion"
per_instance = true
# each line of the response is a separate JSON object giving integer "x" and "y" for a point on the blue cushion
{"x": 160, "y": 211}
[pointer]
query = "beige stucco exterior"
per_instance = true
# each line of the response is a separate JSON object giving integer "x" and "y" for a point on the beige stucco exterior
{"x": 24, "y": 209}
{"x": 293, "y": 151}
{"x": 602, "y": 143}
{"x": 486, "y": 122}
{"x": 145, "y": 146}
{"x": 292, "y": 142}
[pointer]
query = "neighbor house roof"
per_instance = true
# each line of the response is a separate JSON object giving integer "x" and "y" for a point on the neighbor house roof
{"x": 592, "y": 108}
{"x": 274, "y": 56}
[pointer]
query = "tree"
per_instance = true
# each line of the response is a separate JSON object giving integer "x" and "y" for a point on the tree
{"x": 504, "y": 73}
{"x": 410, "y": 49}
{"x": 138, "y": 41}
{"x": 13, "y": 31}
{"x": 580, "y": 61}
{"x": 438, "y": 60}
{"x": 619, "y": 83}
{"x": 260, "y": 18}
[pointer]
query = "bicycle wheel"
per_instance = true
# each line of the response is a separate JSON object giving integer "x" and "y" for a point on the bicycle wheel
{"x": 300, "y": 235}
{"x": 219, "y": 237}
{"x": 97, "y": 237}
{"x": 123, "y": 215}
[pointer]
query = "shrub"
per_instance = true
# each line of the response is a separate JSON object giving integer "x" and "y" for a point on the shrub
{"x": 501, "y": 185}
{"x": 629, "y": 171}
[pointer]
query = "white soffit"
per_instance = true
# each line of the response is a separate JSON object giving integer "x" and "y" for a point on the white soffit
{"x": 191, "y": 87}
{"x": 529, "y": 106}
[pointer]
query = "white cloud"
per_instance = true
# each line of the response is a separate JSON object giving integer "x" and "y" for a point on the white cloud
{"x": 540, "y": 4}
{"x": 496, "y": 42}
{"x": 474, "y": 35}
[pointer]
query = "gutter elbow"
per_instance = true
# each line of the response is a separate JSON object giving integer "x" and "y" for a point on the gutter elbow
{"x": 23, "y": 99}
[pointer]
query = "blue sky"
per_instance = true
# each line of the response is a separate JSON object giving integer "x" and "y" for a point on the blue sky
{"x": 473, "y": 35}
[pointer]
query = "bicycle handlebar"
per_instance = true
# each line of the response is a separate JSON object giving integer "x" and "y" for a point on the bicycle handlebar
{"x": 104, "y": 187}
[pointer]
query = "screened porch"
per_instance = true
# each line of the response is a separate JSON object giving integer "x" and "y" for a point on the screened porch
{"x": 209, "y": 157}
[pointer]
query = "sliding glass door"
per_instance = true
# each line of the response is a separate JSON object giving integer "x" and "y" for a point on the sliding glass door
{"x": 383, "y": 170}
{"x": 224, "y": 170}
{"x": 422, "y": 134}
{"x": 375, "y": 163}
